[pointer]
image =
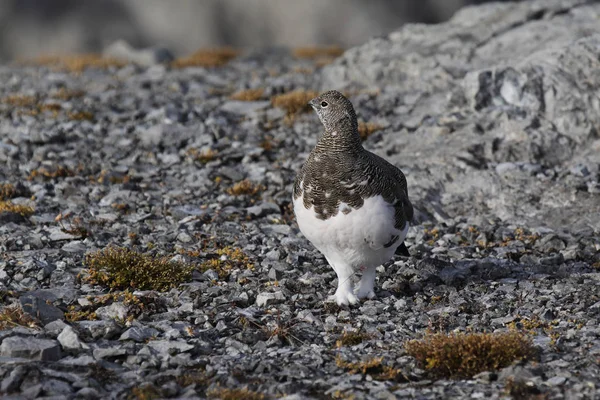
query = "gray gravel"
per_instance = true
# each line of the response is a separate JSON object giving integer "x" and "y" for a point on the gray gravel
{"x": 492, "y": 116}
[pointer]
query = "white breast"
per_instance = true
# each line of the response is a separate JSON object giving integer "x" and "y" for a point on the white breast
{"x": 355, "y": 239}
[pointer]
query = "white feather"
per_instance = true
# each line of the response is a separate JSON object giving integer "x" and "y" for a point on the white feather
{"x": 354, "y": 240}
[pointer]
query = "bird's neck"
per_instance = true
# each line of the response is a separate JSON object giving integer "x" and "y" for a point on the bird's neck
{"x": 343, "y": 138}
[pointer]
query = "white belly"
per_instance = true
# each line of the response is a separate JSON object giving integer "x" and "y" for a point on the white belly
{"x": 355, "y": 239}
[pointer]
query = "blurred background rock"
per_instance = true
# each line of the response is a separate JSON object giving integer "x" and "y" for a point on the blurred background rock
{"x": 40, "y": 27}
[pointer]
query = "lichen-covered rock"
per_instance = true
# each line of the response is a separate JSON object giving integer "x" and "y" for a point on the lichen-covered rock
{"x": 498, "y": 83}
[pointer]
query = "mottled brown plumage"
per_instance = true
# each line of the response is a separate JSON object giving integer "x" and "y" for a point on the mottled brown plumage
{"x": 335, "y": 169}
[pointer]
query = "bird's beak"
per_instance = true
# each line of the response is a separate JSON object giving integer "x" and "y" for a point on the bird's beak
{"x": 313, "y": 103}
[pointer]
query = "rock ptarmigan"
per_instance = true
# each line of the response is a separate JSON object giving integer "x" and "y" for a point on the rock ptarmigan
{"x": 350, "y": 203}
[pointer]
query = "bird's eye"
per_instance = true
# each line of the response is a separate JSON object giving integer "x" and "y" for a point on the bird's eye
{"x": 324, "y": 104}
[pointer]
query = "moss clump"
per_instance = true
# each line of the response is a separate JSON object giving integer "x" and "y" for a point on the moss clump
{"x": 77, "y": 63}
{"x": 204, "y": 156}
{"x": 245, "y": 187}
{"x": 520, "y": 389}
{"x": 294, "y": 102}
{"x": 81, "y": 116}
{"x": 321, "y": 55}
{"x": 207, "y": 58}
{"x": 67, "y": 94}
{"x": 36, "y": 105}
{"x": 193, "y": 378}
{"x": 74, "y": 315}
{"x": 7, "y": 191}
{"x": 248, "y": 95}
{"x": 234, "y": 394}
{"x": 146, "y": 392}
{"x": 228, "y": 258}
{"x": 370, "y": 366}
{"x": 366, "y": 129}
{"x": 462, "y": 355}
{"x": 135, "y": 306}
{"x": 349, "y": 338}
{"x": 121, "y": 268}
{"x": 76, "y": 227}
{"x": 48, "y": 174}
{"x": 111, "y": 177}
{"x": 19, "y": 100}
{"x": 12, "y": 316}
{"x": 9, "y": 207}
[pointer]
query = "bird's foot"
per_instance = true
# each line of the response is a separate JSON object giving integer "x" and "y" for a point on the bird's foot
{"x": 344, "y": 297}
{"x": 367, "y": 284}
{"x": 365, "y": 293}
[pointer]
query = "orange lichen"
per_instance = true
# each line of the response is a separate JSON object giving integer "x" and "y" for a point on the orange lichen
{"x": 207, "y": 58}
{"x": 78, "y": 63}
{"x": 366, "y": 129}
{"x": 248, "y": 95}
{"x": 294, "y": 102}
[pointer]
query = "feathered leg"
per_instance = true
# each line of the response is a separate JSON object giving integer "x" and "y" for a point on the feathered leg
{"x": 367, "y": 284}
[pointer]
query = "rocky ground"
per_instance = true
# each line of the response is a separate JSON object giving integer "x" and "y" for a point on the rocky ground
{"x": 494, "y": 117}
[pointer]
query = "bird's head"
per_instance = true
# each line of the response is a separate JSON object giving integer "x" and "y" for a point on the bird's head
{"x": 335, "y": 111}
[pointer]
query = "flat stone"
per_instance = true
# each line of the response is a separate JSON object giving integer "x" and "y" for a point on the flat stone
{"x": 263, "y": 209}
{"x": 80, "y": 361}
{"x": 69, "y": 339}
{"x": 139, "y": 334}
{"x": 56, "y": 387}
{"x": 114, "y": 311}
{"x": 31, "y": 348}
{"x": 170, "y": 346}
{"x": 40, "y": 309}
{"x": 269, "y": 298}
{"x": 74, "y": 247}
{"x": 12, "y": 382}
{"x": 99, "y": 329}
{"x": 556, "y": 381}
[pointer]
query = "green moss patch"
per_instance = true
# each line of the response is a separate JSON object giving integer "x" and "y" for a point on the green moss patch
{"x": 463, "y": 355}
{"x": 120, "y": 268}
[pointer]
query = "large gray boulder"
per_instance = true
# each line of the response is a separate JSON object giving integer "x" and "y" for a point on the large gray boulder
{"x": 495, "y": 112}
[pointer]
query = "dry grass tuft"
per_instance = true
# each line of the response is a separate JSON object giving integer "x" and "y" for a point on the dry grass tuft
{"x": 145, "y": 392}
{"x": 234, "y": 394}
{"x": 349, "y": 338}
{"x": 81, "y": 116}
{"x": 207, "y": 58}
{"x": 12, "y": 316}
{"x": 120, "y": 268}
{"x": 193, "y": 378}
{"x": 294, "y": 102}
{"x": 77, "y": 63}
{"x": 20, "y": 100}
{"x": 227, "y": 259}
{"x": 245, "y": 187}
{"x": 371, "y": 366}
{"x": 366, "y": 129}
{"x": 38, "y": 104}
{"x": 7, "y": 191}
{"x": 59, "y": 172}
{"x": 318, "y": 53}
{"x": 462, "y": 355}
{"x": 364, "y": 367}
{"x": 248, "y": 95}
{"x": 135, "y": 306}
{"x": 10, "y": 191}
{"x": 204, "y": 156}
{"x": 68, "y": 94}
{"x": 10, "y": 207}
